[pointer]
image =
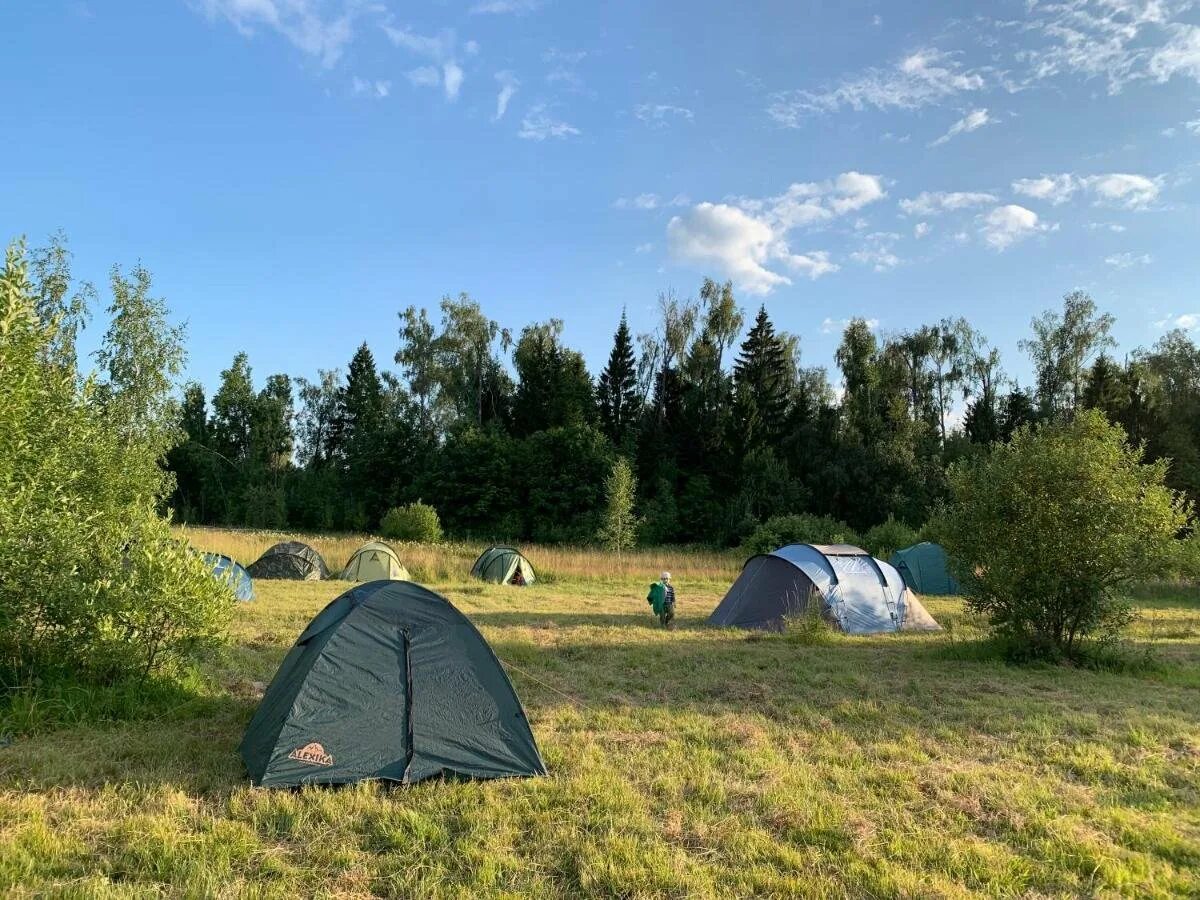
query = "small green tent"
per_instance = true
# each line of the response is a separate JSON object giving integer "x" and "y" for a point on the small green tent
{"x": 374, "y": 561}
{"x": 503, "y": 565}
{"x": 291, "y": 559}
{"x": 923, "y": 568}
{"x": 390, "y": 682}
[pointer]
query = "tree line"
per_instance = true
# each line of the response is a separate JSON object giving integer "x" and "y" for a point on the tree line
{"x": 722, "y": 422}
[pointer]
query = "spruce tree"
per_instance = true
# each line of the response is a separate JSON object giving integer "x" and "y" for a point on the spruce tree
{"x": 617, "y": 387}
{"x": 761, "y": 380}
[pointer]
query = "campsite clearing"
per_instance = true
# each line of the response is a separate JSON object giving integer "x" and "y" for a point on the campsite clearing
{"x": 700, "y": 762}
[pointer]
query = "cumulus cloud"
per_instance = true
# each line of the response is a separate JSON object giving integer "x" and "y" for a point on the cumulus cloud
{"x": 424, "y": 76}
{"x": 1128, "y": 260}
{"x": 972, "y": 121}
{"x": 302, "y": 22}
{"x": 919, "y": 79}
{"x": 643, "y": 248}
{"x": 1114, "y": 189}
{"x": 749, "y": 239}
{"x": 659, "y": 115}
{"x": 508, "y": 87}
{"x": 741, "y": 245}
{"x": 539, "y": 125}
{"x": 1008, "y": 225}
{"x": 641, "y": 201}
{"x": 933, "y": 203}
{"x": 920, "y": 230}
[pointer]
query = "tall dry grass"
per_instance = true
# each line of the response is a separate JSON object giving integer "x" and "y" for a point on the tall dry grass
{"x": 450, "y": 561}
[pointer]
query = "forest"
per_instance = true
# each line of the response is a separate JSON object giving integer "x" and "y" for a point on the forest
{"x": 724, "y": 424}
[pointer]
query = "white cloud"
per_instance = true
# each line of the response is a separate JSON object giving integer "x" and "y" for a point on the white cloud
{"x": 1130, "y": 191}
{"x": 1193, "y": 126}
{"x": 830, "y": 326}
{"x": 425, "y": 76}
{"x": 933, "y": 203}
{"x": 1128, "y": 260}
{"x": 441, "y": 49}
{"x": 538, "y": 125}
{"x": 741, "y": 245}
{"x": 302, "y": 22}
{"x": 564, "y": 57}
{"x": 920, "y": 230}
{"x": 1114, "y": 189}
{"x": 508, "y": 87}
{"x": 377, "y": 89}
{"x": 972, "y": 121}
{"x": 452, "y": 79}
{"x": 1179, "y": 56}
{"x": 643, "y": 248}
{"x": 658, "y": 114}
{"x": 749, "y": 238}
{"x": 1054, "y": 188}
{"x": 919, "y": 79}
{"x": 502, "y": 7}
{"x": 1008, "y": 225}
{"x": 1187, "y": 321}
{"x": 876, "y": 251}
{"x": 1105, "y": 226}
{"x": 641, "y": 201}
{"x": 1120, "y": 41}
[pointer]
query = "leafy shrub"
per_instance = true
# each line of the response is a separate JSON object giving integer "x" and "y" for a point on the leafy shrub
{"x": 804, "y": 529}
{"x": 1045, "y": 529}
{"x": 92, "y": 583}
{"x": 884, "y": 539}
{"x": 412, "y": 522}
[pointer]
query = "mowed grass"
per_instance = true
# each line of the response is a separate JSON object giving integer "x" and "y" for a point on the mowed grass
{"x": 690, "y": 763}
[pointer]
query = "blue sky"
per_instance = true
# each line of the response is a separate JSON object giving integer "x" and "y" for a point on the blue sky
{"x": 294, "y": 172}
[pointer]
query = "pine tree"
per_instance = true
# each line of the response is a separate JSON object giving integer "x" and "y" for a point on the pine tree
{"x": 761, "y": 380}
{"x": 617, "y": 388}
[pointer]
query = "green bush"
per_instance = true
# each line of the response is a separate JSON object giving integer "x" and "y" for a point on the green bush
{"x": 803, "y": 529}
{"x": 884, "y": 539}
{"x": 92, "y": 584}
{"x": 412, "y": 522}
{"x": 1045, "y": 530}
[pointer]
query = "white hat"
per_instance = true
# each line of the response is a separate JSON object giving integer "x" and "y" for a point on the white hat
{"x": 666, "y": 576}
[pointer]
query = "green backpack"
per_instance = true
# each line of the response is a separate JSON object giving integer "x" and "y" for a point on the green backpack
{"x": 657, "y": 597}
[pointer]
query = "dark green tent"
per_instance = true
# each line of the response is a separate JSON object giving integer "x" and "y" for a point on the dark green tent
{"x": 923, "y": 568}
{"x": 503, "y": 565}
{"x": 389, "y": 681}
{"x": 291, "y": 559}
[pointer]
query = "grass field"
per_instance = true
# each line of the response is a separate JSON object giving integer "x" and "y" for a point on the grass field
{"x": 692, "y": 763}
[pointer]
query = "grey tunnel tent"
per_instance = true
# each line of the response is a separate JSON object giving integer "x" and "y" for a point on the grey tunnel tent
{"x": 391, "y": 682}
{"x": 923, "y": 568}
{"x": 503, "y": 565}
{"x": 291, "y": 559}
{"x": 374, "y": 561}
{"x": 857, "y": 593}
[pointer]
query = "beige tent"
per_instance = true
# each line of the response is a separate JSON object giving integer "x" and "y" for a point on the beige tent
{"x": 374, "y": 562}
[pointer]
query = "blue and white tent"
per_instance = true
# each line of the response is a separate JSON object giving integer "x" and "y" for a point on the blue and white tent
{"x": 858, "y": 593}
{"x": 227, "y": 570}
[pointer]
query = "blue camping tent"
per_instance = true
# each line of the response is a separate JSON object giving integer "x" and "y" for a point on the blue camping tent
{"x": 227, "y": 570}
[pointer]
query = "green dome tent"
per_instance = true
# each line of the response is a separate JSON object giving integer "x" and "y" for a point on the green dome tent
{"x": 374, "y": 561}
{"x": 503, "y": 565}
{"x": 291, "y": 559}
{"x": 923, "y": 568}
{"x": 390, "y": 682}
